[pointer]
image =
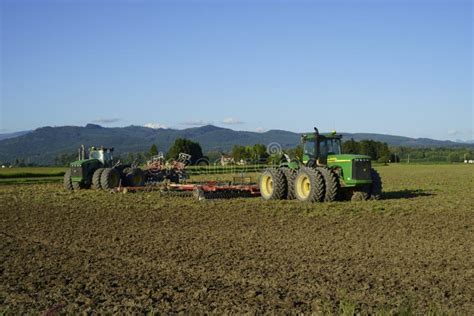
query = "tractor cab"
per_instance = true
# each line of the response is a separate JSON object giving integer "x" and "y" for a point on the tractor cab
{"x": 104, "y": 155}
{"x": 318, "y": 147}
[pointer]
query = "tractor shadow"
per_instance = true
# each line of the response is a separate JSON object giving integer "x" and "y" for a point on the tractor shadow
{"x": 405, "y": 194}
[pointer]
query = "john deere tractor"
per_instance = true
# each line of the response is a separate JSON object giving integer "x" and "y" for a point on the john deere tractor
{"x": 324, "y": 174}
{"x": 100, "y": 172}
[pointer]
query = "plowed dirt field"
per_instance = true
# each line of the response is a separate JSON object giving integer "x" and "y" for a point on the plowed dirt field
{"x": 412, "y": 252}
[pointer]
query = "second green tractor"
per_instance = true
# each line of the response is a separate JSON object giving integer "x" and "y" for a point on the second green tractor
{"x": 99, "y": 171}
{"x": 324, "y": 174}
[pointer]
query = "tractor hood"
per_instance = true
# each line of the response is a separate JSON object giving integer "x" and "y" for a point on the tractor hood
{"x": 346, "y": 158}
{"x": 80, "y": 163}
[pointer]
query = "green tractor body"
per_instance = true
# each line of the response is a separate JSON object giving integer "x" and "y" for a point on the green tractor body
{"x": 100, "y": 172}
{"x": 324, "y": 174}
{"x": 326, "y": 150}
{"x": 82, "y": 170}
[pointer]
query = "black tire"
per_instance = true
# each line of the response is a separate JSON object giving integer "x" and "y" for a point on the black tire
{"x": 376, "y": 186}
{"x": 309, "y": 185}
{"x": 290, "y": 176}
{"x": 96, "y": 179}
{"x": 110, "y": 179}
{"x": 79, "y": 186}
{"x": 311, "y": 163}
{"x": 173, "y": 176}
{"x": 360, "y": 195}
{"x": 273, "y": 184}
{"x": 331, "y": 182}
{"x": 68, "y": 181}
{"x": 135, "y": 177}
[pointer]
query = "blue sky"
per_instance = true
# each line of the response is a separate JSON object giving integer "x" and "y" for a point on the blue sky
{"x": 395, "y": 67}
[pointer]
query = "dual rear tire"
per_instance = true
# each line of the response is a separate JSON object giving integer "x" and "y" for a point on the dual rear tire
{"x": 107, "y": 179}
{"x": 312, "y": 185}
{"x": 306, "y": 185}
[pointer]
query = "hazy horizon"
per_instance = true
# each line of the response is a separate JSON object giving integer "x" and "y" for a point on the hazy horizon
{"x": 238, "y": 130}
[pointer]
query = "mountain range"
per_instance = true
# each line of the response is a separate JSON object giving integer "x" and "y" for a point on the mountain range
{"x": 42, "y": 145}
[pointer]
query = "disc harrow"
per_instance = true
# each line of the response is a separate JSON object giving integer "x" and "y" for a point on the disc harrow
{"x": 206, "y": 191}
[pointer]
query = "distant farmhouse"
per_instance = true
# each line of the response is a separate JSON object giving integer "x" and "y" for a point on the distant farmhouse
{"x": 227, "y": 160}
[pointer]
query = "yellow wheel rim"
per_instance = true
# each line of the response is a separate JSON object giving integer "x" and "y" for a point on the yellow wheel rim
{"x": 303, "y": 186}
{"x": 266, "y": 185}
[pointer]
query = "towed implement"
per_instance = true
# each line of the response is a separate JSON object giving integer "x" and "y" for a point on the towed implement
{"x": 99, "y": 172}
{"x": 324, "y": 174}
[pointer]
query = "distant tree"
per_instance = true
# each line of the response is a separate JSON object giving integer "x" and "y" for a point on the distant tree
{"x": 296, "y": 153}
{"x": 240, "y": 153}
{"x": 274, "y": 159}
{"x": 383, "y": 153}
{"x": 153, "y": 150}
{"x": 183, "y": 145}
{"x": 453, "y": 157}
{"x": 260, "y": 153}
{"x": 65, "y": 159}
{"x": 350, "y": 147}
{"x": 130, "y": 157}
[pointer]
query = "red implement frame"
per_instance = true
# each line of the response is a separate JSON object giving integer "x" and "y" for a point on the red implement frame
{"x": 209, "y": 187}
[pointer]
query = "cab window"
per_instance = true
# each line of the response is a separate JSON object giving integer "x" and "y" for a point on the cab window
{"x": 330, "y": 147}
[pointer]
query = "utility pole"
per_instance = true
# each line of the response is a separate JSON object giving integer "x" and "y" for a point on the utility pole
{"x": 408, "y": 158}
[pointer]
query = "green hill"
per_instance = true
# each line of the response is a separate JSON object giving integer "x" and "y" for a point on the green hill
{"x": 42, "y": 145}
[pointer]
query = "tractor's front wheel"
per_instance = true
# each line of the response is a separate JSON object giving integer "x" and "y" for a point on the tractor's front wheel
{"x": 309, "y": 185}
{"x": 110, "y": 179}
{"x": 273, "y": 184}
{"x": 68, "y": 181}
{"x": 79, "y": 186}
{"x": 360, "y": 195}
{"x": 96, "y": 179}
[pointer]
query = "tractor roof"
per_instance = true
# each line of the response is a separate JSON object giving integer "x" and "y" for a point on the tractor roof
{"x": 332, "y": 135}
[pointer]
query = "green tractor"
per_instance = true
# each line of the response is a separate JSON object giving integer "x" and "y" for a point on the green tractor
{"x": 100, "y": 172}
{"x": 324, "y": 174}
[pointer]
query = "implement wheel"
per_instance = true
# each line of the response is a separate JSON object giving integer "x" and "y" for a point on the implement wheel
{"x": 135, "y": 177}
{"x": 96, "y": 179}
{"x": 68, "y": 181}
{"x": 273, "y": 184}
{"x": 376, "y": 186}
{"x": 109, "y": 179}
{"x": 309, "y": 185}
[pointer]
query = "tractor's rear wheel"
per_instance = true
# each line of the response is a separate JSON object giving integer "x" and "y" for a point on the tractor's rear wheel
{"x": 68, "y": 181}
{"x": 273, "y": 184}
{"x": 96, "y": 179}
{"x": 376, "y": 187}
{"x": 309, "y": 185}
{"x": 109, "y": 179}
{"x": 135, "y": 177}
{"x": 290, "y": 176}
{"x": 331, "y": 182}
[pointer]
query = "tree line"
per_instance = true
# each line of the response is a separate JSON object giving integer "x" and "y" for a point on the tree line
{"x": 257, "y": 153}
